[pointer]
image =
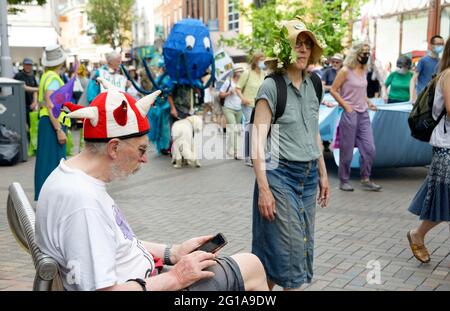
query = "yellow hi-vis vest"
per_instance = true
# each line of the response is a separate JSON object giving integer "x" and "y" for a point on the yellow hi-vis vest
{"x": 46, "y": 79}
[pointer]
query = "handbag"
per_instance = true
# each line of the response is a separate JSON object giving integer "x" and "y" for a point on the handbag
{"x": 222, "y": 100}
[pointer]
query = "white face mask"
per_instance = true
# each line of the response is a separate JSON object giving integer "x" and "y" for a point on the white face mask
{"x": 261, "y": 65}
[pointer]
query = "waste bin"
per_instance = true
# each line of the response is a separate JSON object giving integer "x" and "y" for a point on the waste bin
{"x": 13, "y": 111}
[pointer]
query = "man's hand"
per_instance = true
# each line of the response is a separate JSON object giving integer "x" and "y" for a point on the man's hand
{"x": 324, "y": 192}
{"x": 266, "y": 204}
{"x": 190, "y": 268}
{"x": 187, "y": 247}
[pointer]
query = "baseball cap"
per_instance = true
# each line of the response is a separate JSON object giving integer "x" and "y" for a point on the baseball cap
{"x": 27, "y": 61}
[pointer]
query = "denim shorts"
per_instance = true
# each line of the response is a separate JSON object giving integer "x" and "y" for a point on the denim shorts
{"x": 285, "y": 246}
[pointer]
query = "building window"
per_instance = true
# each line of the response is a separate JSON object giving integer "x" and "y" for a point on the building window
{"x": 233, "y": 17}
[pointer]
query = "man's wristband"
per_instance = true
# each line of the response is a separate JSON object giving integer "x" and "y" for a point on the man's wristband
{"x": 167, "y": 260}
{"x": 140, "y": 282}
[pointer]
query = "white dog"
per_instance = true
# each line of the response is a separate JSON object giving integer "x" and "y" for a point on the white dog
{"x": 183, "y": 147}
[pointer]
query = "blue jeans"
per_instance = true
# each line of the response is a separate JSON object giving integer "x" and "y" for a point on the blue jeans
{"x": 285, "y": 246}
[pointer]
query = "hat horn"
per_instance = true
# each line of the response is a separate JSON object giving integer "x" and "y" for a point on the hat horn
{"x": 106, "y": 84}
{"x": 146, "y": 102}
{"x": 90, "y": 113}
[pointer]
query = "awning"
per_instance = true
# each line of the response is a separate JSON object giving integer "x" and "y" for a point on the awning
{"x": 22, "y": 36}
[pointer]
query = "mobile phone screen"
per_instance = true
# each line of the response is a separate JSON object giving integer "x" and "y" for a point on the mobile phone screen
{"x": 214, "y": 244}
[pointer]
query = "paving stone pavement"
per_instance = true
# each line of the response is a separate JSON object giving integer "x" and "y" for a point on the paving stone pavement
{"x": 359, "y": 233}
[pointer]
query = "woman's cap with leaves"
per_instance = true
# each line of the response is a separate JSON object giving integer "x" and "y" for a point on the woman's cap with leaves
{"x": 295, "y": 27}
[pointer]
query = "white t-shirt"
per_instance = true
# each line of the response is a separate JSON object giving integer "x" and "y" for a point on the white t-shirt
{"x": 439, "y": 138}
{"x": 232, "y": 101}
{"x": 80, "y": 226}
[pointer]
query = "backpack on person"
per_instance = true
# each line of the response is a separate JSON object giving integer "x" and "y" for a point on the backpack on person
{"x": 280, "y": 104}
{"x": 420, "y": 120}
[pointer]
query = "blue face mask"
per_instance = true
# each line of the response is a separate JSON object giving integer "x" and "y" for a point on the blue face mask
{"x": 438, "y": 49}
{"x": 261, "y": 65}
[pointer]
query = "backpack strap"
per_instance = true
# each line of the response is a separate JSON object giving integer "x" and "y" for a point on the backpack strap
{"x": 317, "y": 83}
{"x": 280, "y": 104}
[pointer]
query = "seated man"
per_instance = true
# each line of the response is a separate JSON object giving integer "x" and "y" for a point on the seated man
{"x": 83, "y": 229}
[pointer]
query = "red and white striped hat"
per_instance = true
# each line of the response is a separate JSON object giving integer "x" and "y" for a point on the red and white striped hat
{"x": 114, "y": 114}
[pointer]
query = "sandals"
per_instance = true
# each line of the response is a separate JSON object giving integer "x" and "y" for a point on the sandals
{"x": 419, "y": 251}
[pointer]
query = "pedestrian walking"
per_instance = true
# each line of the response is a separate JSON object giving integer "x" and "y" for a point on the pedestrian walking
{"x": 285, "y": 193}
{"x": 232, "y": 109}
{"x": 51, "y": 145}
{"x": 426, "y": 68}
{"x": 432, "y": 201}
{"x": 398, "y": 82}
{"x": 247, "y": 88}
{"x": 350, "y": 91}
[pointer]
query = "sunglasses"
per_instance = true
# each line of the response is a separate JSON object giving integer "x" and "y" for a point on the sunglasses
{"x": 308, "y": 43}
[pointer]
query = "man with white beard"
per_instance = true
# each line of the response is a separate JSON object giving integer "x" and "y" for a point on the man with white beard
{"x": 82, "y": 228}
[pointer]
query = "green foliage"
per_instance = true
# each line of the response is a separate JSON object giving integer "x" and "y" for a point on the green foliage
{"x": 111, "y": 20}
{"x": 14, "y": 10}
{"x": 329, "y": 20}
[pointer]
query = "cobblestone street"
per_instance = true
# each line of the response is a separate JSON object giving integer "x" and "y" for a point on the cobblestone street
{"x": 163, "y": 204}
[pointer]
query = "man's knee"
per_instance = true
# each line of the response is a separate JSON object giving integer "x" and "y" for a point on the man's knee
{"x": 250, "y": 266}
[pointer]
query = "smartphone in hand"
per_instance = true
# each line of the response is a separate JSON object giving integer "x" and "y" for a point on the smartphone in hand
{"x": 215, "y": 244}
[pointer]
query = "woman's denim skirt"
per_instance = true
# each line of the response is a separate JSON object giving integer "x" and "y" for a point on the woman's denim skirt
{"x": 432, "y": 201}
{"x": 286, "y": 245}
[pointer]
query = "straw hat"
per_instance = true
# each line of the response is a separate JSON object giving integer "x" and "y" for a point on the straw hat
{"x": 53, "y": 55}
{"x": 295, "y": 27}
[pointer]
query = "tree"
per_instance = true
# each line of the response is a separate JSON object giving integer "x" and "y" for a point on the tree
{"x": 111, "y": 20}
{"x": 329, "y": 20}
{"x": 13, "y": 10}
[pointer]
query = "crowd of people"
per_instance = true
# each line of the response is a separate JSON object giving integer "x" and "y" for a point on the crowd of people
{"x": 85, "y": 224}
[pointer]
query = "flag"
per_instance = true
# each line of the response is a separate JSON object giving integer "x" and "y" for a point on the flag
{"x": 61, "y": 96}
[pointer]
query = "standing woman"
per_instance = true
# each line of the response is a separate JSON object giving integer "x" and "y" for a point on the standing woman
{"x": 247, "y": 88}
{"x": 233, "y": 111}
{"x": 285, "y": 195}
{"x": 52, "y": 131}
{"x": 350, "y": 91}
{"x": 398, "y": 82}
{"x": 432, "y": 201}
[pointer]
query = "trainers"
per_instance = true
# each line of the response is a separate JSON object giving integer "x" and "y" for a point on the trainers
{"x": 346, "y": 186}
{"x": 248, "y": 162}
{"x": 370, "y": 185}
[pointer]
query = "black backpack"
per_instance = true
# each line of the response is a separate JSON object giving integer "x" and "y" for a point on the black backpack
{"x": 420, "y": 120}
{"x": 280, "y": 105}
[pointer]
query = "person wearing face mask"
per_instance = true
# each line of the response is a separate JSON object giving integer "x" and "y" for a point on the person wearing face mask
{"x": 398, "y": 82}
{"x": 247, "y": 88}
{"x": 426, "y": 68}
{"x": 350, "y": 91}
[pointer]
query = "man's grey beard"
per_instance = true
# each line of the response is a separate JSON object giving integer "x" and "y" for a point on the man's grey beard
{"x": 117, "y": 174}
